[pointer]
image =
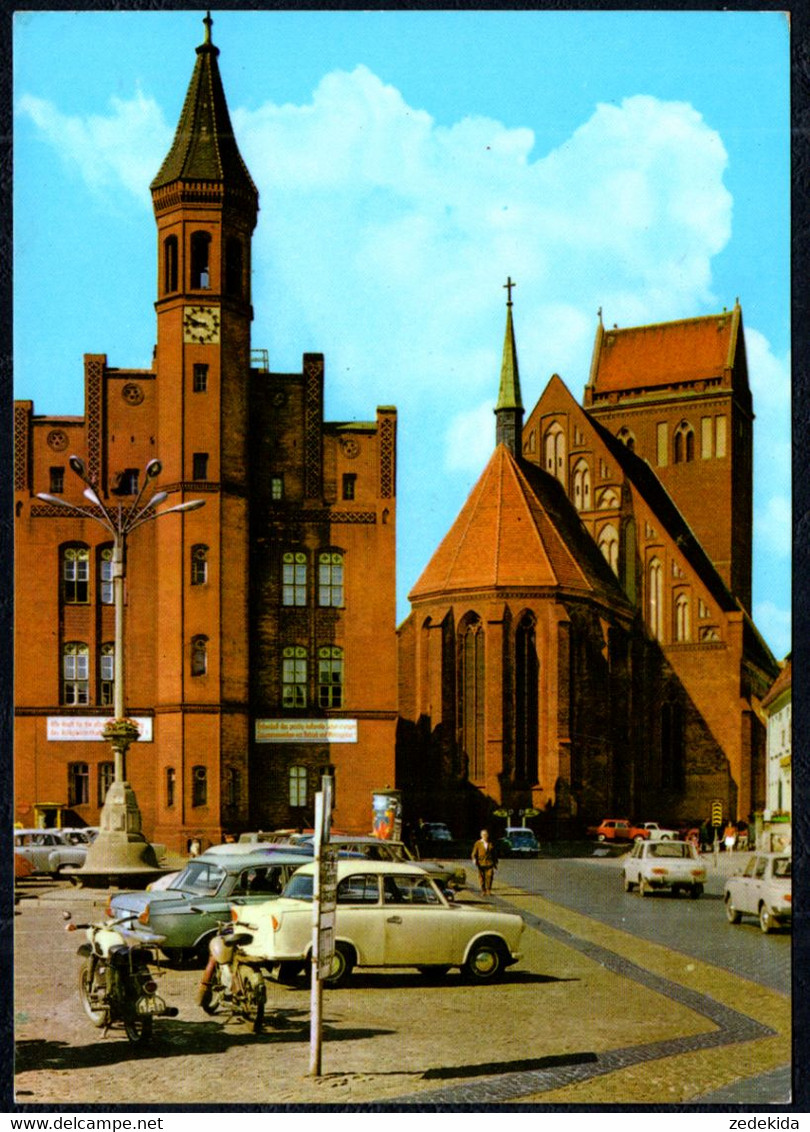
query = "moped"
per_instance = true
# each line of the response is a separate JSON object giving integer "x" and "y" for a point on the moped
{"x": 116, "y": 978}
{"x": 231, "y": 981}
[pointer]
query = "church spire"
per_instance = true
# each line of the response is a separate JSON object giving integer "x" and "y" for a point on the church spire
{"x": 204, "y": 159}
{"x": 509, "y": 409}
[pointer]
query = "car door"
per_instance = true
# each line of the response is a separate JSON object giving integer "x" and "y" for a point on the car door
{"x": 746, "y": 892}
{"x": 359, "y": 916}
{"x": 420, "y": 929}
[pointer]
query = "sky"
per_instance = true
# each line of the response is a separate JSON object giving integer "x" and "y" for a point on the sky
{"x": 407, "y": 163}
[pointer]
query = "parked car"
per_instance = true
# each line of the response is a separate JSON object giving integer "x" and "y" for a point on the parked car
{"x": 655, "y": 832}
{"x": 387, "y": 915}
{"x": 188, "y": 911}
{"x": 518, "y": 841}
{"x": 618, "y": 829}
{"x": 377, "y": 849}
{"x": 434, "y": 831}
{"x": 48, "y": 850}
{"x": 762, "y": 890}
{"x": 664, "y": 865}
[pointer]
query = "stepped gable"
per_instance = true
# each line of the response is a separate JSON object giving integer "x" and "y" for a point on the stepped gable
{"x": 517, "y": 530}
{"x": 667, "y": 353}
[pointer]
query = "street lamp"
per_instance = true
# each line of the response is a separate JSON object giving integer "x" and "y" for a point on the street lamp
{"x": 120, "y": 847}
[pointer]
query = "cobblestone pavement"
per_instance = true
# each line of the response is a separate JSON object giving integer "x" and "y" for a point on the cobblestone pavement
{"x": 591, "y": 1015}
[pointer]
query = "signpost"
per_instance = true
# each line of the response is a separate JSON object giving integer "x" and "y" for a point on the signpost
{"x": 323, "y": 917}
{"x": 717, "y": 825}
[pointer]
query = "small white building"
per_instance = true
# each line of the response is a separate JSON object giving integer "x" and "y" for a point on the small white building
{"x": 777, "y": 708}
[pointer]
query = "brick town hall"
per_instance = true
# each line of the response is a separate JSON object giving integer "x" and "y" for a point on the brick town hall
{"x": 579, "y": 643}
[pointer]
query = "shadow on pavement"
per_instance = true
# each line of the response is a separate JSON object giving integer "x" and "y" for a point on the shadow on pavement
{"x": 524, "y": 1065}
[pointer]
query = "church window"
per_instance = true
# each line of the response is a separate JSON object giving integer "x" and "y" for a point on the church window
{"x": 532, "y": 443}
{"x": 170, "y": 264}
{"x": 75, "y": 674}
{"x": 106, "y": 774}
{"x": 582, "y": 486}
{"x": 655, "y": 581}
{"x": 608, "y": 543}
{"x": 706, "y": 436}
{"x": 554, "y": 446}
{"x": 294, "y": 579}
{"x": 330, "y": 677}
{"x": 294, "y": 677}
{"x": 106, "y": 592}
{"x": 233, "y": 267}
{"x": 125, "y": 482}
{"x": 199, "y": 656}
{"x": 608, "y": 499}
{"x": 106, "y": 673}
{"x": 684, "y": 443}
{"x": 627, "y": 438}
{"x": 526, "y": 701}
{"x": 330, "y": 580}
{"x": 76, "y": 575}
{"x": 297, "y": 782}
{"x": 57, "y": 481}
{"x": 199, "y": 379}
{"x": 200, "y": 251}
{"x": 720, "y": 437}
{"x": 78, "y": 784}
{"x": 171, "y": 784}
{"x": 683, "y": 630}
{"x": 199, "y": 565}
{"x": 199, "y": 786}
{"x": 472, "y": 697}
{"x": 349, "y": 485}
{"x": 662, "y": 443}
{"x": 277, "y": 487}
{"x": 199, "y": 466}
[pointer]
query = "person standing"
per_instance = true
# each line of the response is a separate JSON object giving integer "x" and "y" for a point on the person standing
{"x": 485, "y": 859}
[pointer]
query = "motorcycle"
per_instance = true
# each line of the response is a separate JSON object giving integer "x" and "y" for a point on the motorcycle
{"x": 116, "y": 980}
{"x": 232, "y": 981}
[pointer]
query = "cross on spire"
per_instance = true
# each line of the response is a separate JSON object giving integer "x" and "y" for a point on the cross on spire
{"x": 508, "y": 285}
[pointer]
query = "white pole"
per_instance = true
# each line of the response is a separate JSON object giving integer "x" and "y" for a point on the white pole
{"x": 316, "y": 986}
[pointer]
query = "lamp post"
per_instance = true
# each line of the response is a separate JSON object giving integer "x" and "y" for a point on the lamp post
{"x": 120, "y": 847}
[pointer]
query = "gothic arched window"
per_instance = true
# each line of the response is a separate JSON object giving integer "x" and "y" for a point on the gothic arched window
{"x": 608, "y": 543}
{"x": 200, "y": 267}
{"x": 554, "y": 451}
{"x": 683, "y": 441}
{"x": 471, "y": 695}
{"x": 582, "y": 486}
{"x": 75, "y": 673}
{"x": 199, "y": 656}
{"x": 170, "y": 264}
{"x": 655, "y": 597}
{"x": 627, "y": 438}
{"x": 683, "y": 628}
{"x": 527, "y": 669}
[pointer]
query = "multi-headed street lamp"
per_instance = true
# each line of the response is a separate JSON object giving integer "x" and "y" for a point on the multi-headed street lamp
{"x": 120, "y": 847}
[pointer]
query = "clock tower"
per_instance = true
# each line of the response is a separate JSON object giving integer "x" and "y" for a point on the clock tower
{"x": 206, "y": 206}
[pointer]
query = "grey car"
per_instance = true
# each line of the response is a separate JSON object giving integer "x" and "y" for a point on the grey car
{"x": 49, "y": 850}
{"x": 380, "y": 849}
{"x": 188, "y": 911}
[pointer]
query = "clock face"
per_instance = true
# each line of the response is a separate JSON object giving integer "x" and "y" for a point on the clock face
{"x": 201, "y": 324}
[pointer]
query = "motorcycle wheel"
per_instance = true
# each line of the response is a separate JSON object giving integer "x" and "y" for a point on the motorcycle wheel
{"x": 91, "y": 983}
{"x": 255, "y": 996}
{"x": 210, "y": 998}
{"x": 138, "y": 1028}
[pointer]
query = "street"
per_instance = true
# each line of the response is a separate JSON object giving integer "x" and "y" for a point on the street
{"x": 615, "y": 1000}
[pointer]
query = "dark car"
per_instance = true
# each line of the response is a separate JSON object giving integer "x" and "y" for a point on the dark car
{"x": 434, "y": 831}
{"x": 188, "y": 911}
{"x": 518, "y": 842}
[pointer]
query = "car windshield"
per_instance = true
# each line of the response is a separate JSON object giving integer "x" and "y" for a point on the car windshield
{"x": 781, "y": 867}
{"x": 671, "y": 849}
{"x": 522, "y": 837}
{"x": 203, "y": 878}
{"x": 299, "y": 887}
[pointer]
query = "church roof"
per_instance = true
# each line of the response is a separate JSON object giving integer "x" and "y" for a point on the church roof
{"x": 781, "y": 684}
{"x": 517, "y": 529}
{"x": 204, "y": 146}
{"x": 643, "y": 357}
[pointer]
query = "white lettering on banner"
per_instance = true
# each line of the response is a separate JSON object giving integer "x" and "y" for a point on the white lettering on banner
{"x": 89, "y": 728}
{"x": 306, "y": 730}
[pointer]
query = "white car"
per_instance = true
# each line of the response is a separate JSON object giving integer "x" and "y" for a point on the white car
{"x": 49, "y": 850}
{"x": 660, "y": 865}
{"x": 387, "y": 915}
{"x": 762, "y": 890}
{"x": 658, "y": 833}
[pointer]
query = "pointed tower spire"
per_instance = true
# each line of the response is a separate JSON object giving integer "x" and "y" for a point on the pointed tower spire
{"x": 204, "y": 160}
{"x": 509, "y": 409}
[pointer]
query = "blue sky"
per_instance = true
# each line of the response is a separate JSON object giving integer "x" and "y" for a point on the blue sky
{"x": 407, "y": 162}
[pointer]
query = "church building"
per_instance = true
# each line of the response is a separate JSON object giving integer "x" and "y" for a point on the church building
{"x": 260, "y": 645}
{"x": 580, "y": 644}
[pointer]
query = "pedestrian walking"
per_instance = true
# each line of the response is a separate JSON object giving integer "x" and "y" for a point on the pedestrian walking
{"x": 730, "y": 836}
{"x": 485, "y": 859}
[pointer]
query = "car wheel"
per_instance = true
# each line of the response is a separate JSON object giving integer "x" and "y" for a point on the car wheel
{"x": 92, "y": 988}
{"x": 643, "y": 887}
{"x": 435, "y": 970}
{"x": 697, "y": 890}
{"x": 628, "y": 884}
{"x": 765, "y": 921}
{"x": 600, "y": 837}
{"x": 732, "y": 915}
{"x": 485, "y": 961}
{"x": 342, "y": 965}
